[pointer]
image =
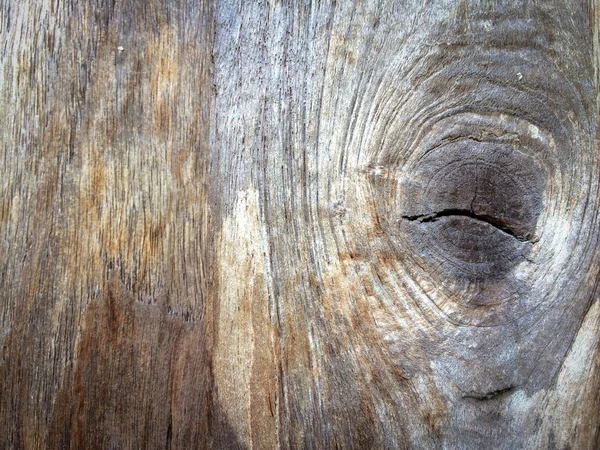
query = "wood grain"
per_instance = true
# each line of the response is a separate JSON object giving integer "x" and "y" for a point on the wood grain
{"x": 299, "y": 225}
{"x": 105, "y": 139}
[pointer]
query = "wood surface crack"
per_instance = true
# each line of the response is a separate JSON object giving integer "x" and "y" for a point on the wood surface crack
{"x": 493, "y": 221}
{"x": 489, "y": 395}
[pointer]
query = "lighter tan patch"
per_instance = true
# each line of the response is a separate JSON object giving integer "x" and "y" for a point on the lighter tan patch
{"x": 243, "y": 359}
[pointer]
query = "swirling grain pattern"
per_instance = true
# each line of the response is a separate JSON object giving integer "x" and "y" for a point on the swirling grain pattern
{"x": 299, "y": 224}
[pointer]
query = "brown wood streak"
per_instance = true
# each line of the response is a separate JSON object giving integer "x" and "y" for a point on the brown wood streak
{"x": 104, "y": 224}
{"x": 201, "y": 244}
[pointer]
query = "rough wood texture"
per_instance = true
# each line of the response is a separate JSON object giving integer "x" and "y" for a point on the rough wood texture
{"x": 299, "y": 225}
{"x": 105, "y": 140}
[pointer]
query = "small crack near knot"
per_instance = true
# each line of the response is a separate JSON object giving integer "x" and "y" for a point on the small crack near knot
{"x": 493, "y": 221}
{"x": 489, "y": 395}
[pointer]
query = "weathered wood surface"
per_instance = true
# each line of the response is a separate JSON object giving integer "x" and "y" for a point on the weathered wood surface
{"x": 299, "y": 225}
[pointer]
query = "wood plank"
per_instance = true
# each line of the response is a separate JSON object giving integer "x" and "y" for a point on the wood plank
{"x": 299, "y": 225}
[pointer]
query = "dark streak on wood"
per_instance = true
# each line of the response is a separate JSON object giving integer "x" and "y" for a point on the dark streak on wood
{"x": 491, "y": 220}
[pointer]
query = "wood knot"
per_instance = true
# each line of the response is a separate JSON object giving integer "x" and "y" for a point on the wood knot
{"x": 473, "y": 205}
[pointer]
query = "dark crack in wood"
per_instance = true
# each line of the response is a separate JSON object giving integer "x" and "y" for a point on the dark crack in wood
{"x": 493, "y": 221}
{"x": 489, "y": 395}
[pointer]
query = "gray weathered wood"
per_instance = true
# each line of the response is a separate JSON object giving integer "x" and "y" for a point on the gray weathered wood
{"x": 299, "y": 225}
